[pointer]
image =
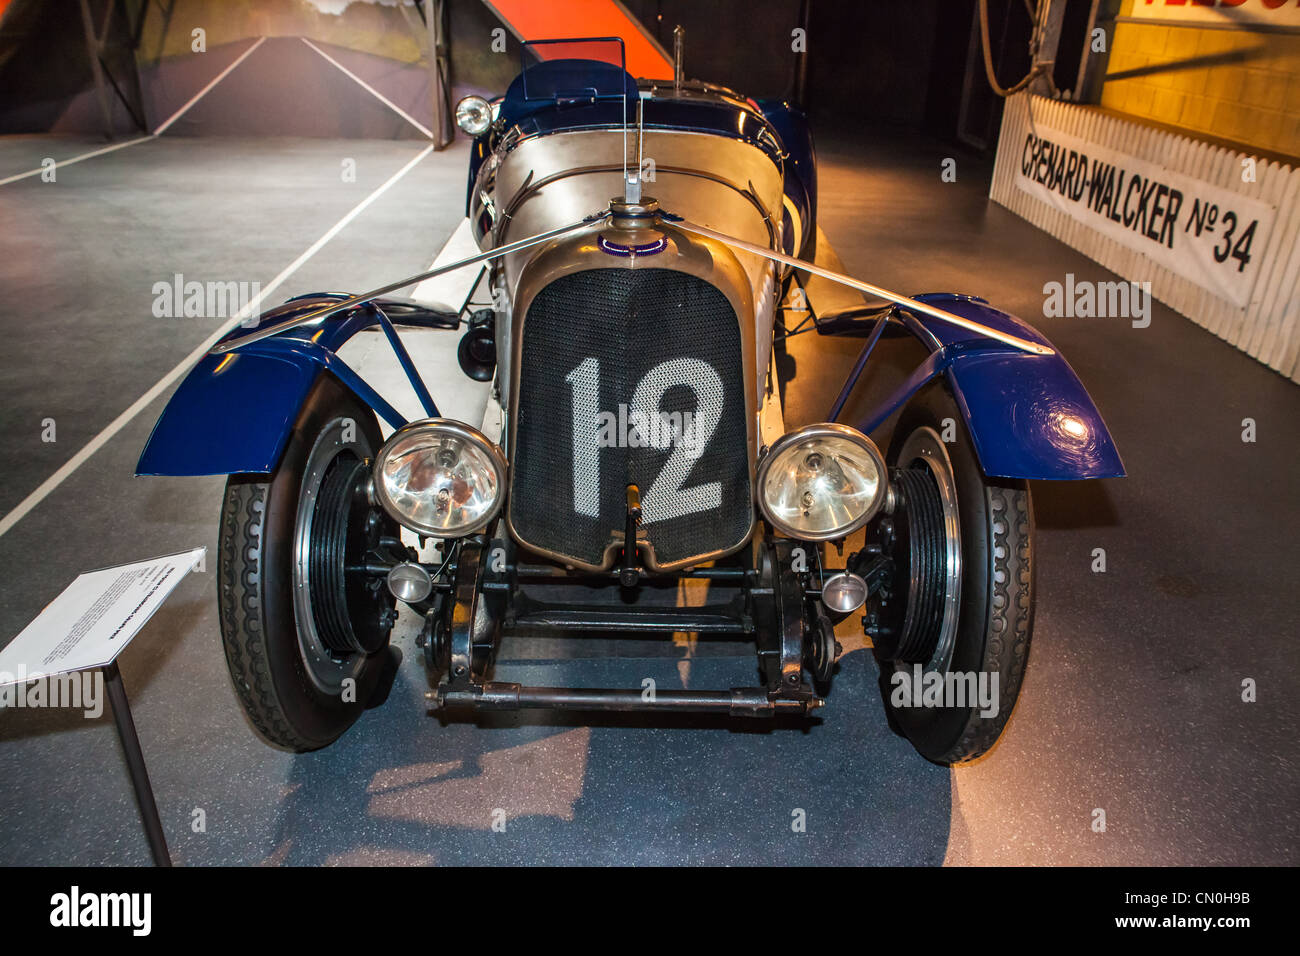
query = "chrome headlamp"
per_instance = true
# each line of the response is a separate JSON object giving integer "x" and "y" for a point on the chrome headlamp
{"x": 474, "y": 115}
{"x": 821, "y": 482}
{"x": 440, "y": 477}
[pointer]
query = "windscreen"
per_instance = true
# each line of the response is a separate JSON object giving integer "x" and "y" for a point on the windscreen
{"x": 585, "y": 70}
{"x": 594, "y": 69}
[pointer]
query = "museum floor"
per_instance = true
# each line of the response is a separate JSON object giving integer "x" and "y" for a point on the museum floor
{"x": 1132, "y": 702}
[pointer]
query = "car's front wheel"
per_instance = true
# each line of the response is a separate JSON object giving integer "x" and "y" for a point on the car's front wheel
{"x": 952, "y": 637}
{"x": 305, "y": 628}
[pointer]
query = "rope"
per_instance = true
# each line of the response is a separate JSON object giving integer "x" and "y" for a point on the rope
{"x": 1040, "y": 68}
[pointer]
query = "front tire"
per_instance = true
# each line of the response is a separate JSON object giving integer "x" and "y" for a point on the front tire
{"x": 306, "y": 639}
{"x": 987, "y": 622}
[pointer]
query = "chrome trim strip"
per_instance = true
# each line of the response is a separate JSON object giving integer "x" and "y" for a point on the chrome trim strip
{"x": 348, "y": 303}
{"x": 1015, "y": 341}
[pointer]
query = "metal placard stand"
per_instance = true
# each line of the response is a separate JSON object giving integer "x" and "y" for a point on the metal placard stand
{"x": 83, "y": 630}
{"x": 135, "y": 766}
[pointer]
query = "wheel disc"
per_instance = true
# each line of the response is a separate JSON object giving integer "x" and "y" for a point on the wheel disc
{"x": 341, "y": 614}
{"x": 932, "y": 538}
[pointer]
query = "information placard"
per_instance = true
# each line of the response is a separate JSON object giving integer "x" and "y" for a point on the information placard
{"x": 94, "y": 618}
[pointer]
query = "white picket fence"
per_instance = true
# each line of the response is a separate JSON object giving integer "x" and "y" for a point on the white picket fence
{"x": 1269, "y": 327}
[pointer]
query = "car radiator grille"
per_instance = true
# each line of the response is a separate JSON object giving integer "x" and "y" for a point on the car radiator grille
{"x": 649, "y": 340}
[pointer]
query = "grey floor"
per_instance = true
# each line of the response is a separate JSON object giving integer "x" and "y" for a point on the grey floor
{"x": 1132, "y": 702}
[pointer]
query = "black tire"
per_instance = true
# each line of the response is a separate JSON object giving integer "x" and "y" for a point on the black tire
{"x": 288, "y": 692}
{"x": 995, "y": 616}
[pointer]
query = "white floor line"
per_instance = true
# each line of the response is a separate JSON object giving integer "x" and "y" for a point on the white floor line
{"x": 372, "y": 91}
{"x": 75, "y": 159}
{"x": 142, "y": 139}
{"x": 204, "y": 92}
{"x": 143, "y": 402}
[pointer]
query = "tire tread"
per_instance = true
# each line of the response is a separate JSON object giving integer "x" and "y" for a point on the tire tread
{"x": 243, "y": 625}
{"x": 1006, "y": 650}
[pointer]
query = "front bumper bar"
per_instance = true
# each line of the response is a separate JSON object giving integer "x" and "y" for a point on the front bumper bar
{"x": 737, "y": 702}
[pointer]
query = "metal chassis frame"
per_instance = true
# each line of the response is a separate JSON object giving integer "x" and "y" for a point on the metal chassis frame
{"x": 771, "y": 609}
{"x": 775, "y": 597}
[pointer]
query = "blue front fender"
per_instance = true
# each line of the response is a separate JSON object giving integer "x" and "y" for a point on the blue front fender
{"x": 1029, "y": 415}
{"x": 234, "y": 412}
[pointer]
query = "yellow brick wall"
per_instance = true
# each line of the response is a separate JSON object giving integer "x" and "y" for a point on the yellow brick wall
{"x": 1250, "y": 94}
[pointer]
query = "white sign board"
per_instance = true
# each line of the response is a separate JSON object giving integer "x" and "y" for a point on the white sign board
{"x": 1274, "y": 13}
{"x": 94, "y": 618}
{"x": 1209, "y": 235}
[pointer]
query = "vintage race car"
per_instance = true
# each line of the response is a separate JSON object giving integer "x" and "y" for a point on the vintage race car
{"x": 634, "y": 440}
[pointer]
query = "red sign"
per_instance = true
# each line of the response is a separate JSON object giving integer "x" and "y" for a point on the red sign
{"x": 1285, "y": 13}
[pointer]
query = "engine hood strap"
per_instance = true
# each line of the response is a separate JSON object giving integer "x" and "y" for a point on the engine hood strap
{"x": 1025, "y": 345}
{"x": 343, "y": 305}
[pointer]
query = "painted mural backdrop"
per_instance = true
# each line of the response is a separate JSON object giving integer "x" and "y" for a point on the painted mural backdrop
{"x": 371, "y": 26}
